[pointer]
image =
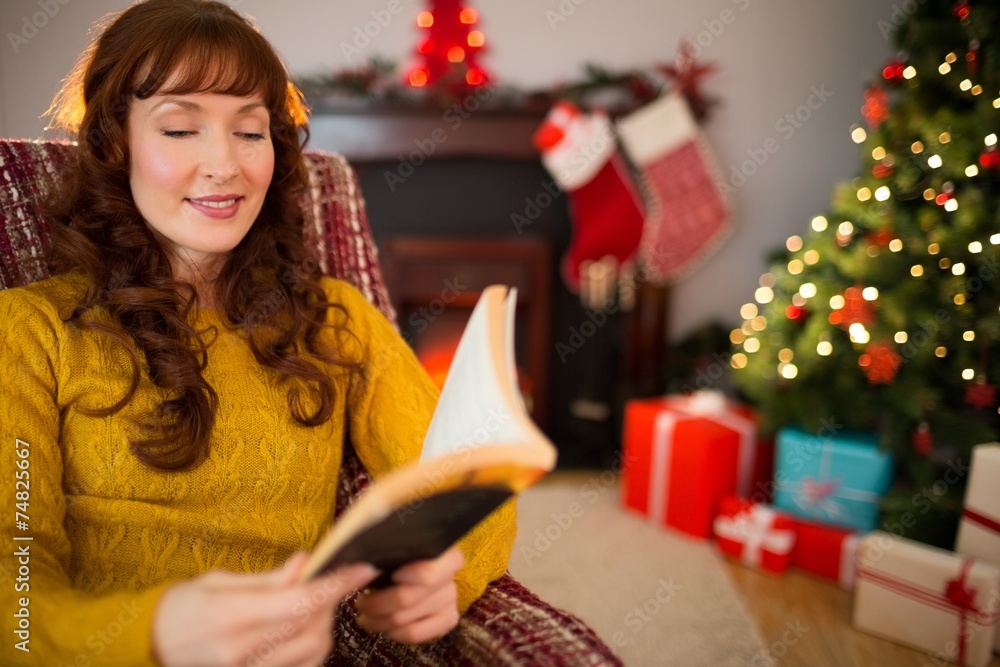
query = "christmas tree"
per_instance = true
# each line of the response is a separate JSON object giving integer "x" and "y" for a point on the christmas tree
{"x": 884, "y": 316}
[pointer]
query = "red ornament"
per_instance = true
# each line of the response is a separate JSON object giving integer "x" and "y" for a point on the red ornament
{"x": 882, "y": 171}
{"x": 981, "y": 395}
{"x": 961, "y": 10}
{"x": 856, "y": 308}
{"x": 686, "y": 76}
{"x": 990, "y": 158}
{"x": 972, "y": 57}
{"x": 881, "y": 239}
{"x": 796, "y": 313}
{"x": 876, "y": 106}
{"x": 893, "y": 71}
{"x": 883, "y": 362}
{"x": 923, "y": 441}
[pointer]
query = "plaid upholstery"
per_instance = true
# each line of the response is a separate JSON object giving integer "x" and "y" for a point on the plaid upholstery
{"x": 508, "y": 625}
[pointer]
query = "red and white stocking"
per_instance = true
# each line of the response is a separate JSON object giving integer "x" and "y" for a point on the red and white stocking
{"x": 581, "y": 153}
{"x": 688, "y": 215}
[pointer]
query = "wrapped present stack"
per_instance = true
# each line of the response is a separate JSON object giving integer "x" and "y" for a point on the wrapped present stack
{"x": 827, "y": 490}
{"x": 693, "y": 464}
{"x": 696, "y": 464}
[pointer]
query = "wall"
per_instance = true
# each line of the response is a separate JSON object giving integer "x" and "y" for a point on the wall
{"x": 774, "y": 58}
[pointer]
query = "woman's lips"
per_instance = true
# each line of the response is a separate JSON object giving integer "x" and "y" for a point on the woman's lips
{"x": 218, "y": 210}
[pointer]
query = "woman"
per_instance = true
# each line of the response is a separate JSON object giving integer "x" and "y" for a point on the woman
{"x": 182, "y": 387}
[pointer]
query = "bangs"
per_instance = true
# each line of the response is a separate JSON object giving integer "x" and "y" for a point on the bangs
{"x": 211, "y": 59}
{"x": 178, "y": 47}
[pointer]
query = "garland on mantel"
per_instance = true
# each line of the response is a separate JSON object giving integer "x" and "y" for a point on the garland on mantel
{"x": 379, "y": 85}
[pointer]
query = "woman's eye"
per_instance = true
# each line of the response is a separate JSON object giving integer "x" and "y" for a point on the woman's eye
{"x": 177, "y": 133}
{"x": 253, "y": 136}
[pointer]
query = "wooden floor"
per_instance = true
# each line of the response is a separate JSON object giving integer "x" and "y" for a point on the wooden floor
{"x": 806, "y": 622}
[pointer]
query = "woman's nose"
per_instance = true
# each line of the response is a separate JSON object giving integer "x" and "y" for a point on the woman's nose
{"x": 219, "y": 162}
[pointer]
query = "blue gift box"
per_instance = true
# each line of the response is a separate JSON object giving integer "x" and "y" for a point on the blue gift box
{"x": 837, "y": 478}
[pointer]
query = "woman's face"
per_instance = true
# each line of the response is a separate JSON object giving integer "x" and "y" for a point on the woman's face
{"x": 200, "y": 167}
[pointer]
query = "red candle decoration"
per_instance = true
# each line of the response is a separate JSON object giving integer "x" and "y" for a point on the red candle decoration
{"x": 923, "y": 440}
{"x": 449, "y": 52}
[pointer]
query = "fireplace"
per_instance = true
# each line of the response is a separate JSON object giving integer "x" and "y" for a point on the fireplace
{"x": 459, "y": 208}
{"x": 434, "y": 282}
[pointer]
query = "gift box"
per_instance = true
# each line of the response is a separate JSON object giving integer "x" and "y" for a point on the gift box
{"x": 979, "y": 530}
{"x": 836, "y": 479}
{"x": 682, "y": 455}
{"x": 928, "y": 598}
{"x": 754, "y": 534}
{"x": 824, "y": 550}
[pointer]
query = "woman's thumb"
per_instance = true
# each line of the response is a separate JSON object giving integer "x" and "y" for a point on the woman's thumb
{"x": 289, "y": 572}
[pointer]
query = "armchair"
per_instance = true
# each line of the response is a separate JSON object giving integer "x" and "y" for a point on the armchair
{"x": 508, "y": 625}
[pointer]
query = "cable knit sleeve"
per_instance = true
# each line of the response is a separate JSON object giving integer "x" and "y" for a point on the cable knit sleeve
{"x": 390, "y": 408}
{"x": 45, "y": 620}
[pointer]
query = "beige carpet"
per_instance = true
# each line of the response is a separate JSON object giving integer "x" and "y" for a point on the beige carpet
{"x": 656, "y": 597}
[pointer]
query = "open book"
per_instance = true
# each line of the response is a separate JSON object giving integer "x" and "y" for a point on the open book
{"x": 481, "y": 448}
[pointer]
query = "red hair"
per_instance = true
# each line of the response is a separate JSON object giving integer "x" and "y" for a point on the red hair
{"x": 269, "y": 282}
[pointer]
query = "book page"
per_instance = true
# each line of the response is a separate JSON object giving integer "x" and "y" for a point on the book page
{"x": 475, "y": 408}
{"x": 510, "y": 307}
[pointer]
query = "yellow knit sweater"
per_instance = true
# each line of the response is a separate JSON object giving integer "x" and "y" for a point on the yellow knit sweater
{"x": 108, "y": 535}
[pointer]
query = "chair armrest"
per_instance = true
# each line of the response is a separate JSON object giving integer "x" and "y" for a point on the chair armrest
{"x": 509, "y": 625}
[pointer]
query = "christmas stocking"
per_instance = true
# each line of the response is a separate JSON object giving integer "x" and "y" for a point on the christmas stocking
{"x": 688, "y": 213}
{"x": 581, "y": 154}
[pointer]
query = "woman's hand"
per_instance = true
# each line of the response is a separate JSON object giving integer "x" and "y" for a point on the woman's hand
{"x": 224, "y": 618}
{"x": 421, "y": 606}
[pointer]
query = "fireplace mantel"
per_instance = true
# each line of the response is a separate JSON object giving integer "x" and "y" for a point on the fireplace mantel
{"x": 386, "y": 134}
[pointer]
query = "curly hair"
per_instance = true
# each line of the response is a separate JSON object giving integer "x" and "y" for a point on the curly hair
{"x": 269, "y": 281}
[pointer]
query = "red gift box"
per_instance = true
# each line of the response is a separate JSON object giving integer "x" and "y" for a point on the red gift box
{"x": 825, "y": 550}
{"x": 755, "y": 534}
{"x": 684, "y": 454}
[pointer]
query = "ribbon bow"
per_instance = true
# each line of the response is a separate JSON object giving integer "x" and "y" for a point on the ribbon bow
{"x": 961, "y": 595}
{"x": 817, "y": 492}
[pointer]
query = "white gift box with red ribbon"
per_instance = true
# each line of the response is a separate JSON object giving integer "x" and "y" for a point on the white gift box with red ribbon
{"x": 928, "y": 598}
{"x": 979, "y": 531}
